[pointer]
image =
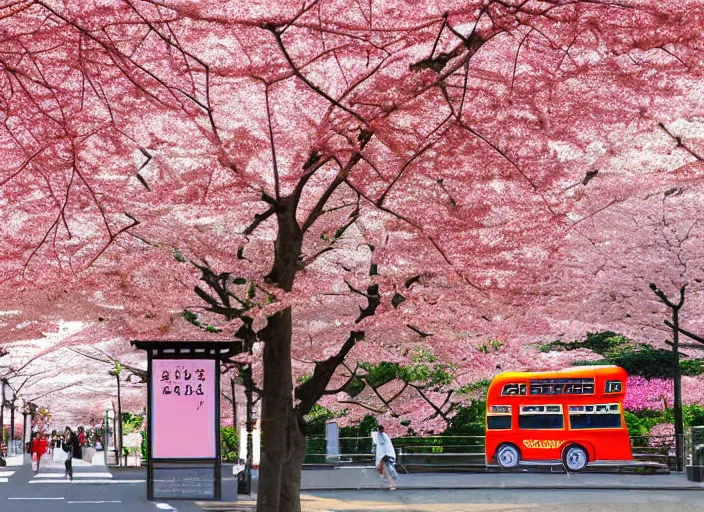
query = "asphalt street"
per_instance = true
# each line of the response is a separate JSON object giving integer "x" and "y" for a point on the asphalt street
{"x": 96, "y": 488}
{"x": 92, "y": 489}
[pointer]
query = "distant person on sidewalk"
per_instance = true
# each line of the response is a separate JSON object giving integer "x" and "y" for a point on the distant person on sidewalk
{"x": 53, "y": 438}
{"x": 68, "y": 446}
{"x": 385, "y": 457}
{"x": 81, "y": 444}
{"x": 38, "y": 448}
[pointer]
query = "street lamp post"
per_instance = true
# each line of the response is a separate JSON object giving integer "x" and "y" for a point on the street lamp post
{"x": 10, "y": 396}
{"x": 26, "y": 435}
{"x": 109, "y": 416}
{"x": 12, "y": 400}
{"x": 12, "y": 424}
{"x": 2, "y": 411}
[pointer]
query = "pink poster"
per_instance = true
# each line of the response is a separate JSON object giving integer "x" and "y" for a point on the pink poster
{"x": 183, "y": 408}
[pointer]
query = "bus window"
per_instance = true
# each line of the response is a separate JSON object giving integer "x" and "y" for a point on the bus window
{"x": 502, "y": 422}
{"x": 513, "y": 389}
{"x": 595, "y": 416}
{"x": 613, "y": 386}
{"x": 562, "y": 387}
{"x": 540, "y": 417}
{"x": 498, "y": 417}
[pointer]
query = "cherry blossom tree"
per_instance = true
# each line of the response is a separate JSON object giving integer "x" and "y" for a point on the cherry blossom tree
{"x": 309, "y": 161}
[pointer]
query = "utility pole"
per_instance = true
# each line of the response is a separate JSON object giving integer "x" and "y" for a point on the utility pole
{"x": 677, "y": 376}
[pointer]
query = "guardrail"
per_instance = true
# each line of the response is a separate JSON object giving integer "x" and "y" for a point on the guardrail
{"x": 460, "y": 451}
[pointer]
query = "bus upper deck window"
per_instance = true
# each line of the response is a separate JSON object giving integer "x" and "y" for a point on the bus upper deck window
{"x": 613, "y": 386}
{"x": 514, "y": 389}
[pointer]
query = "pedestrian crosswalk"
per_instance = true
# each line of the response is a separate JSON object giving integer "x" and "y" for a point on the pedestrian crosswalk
{"x": 54, "y": 472}
{"x": 5, "y": 476}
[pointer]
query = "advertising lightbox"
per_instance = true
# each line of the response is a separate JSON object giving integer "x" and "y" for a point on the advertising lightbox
{"x": 183, "y": 407}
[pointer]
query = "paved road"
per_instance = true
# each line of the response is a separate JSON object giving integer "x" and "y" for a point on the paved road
{"x": 92, "y": 489}
{"x": 97, "y": 489}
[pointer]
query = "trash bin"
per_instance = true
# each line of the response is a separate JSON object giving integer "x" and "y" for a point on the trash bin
{"x": 244, "y": 477}
{"x": 244, "y": 484}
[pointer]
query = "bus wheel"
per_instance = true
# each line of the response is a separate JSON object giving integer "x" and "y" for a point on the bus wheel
{"x": 508, "y": 456}
{"x": 574, "y": 458}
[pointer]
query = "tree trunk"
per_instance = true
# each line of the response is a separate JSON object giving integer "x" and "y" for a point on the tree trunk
{"x": 278, "y": 444}
{"x": 12, "y": 424}
{"x": 2, "y": 414}
{"x": 679, "y": 426}
{"x": 246, "y": 376}
{"x": 277, "y": 405}
{"x": 291, "y": 483}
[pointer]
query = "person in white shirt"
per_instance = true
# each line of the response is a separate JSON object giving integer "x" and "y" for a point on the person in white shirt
{"x": 385, "y": 457}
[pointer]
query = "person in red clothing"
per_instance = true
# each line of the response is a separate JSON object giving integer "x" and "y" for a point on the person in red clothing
{"x": 38, "y": 447}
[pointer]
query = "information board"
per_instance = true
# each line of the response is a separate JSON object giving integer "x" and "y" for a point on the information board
{"x": 183, "y": 409}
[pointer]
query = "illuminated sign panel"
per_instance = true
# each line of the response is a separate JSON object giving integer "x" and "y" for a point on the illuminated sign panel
{"x": 183, "y": 409}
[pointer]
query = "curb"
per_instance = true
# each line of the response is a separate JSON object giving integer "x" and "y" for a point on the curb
{"x": 509, "y": 488}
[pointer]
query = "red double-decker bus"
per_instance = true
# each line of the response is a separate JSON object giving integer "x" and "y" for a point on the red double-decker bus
{"x": 574, "y": 416}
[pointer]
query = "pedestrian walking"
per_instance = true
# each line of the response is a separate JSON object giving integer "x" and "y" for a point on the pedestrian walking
{"x": 38, "y": 448}
{"x": 53, "y": 438}
{"x": 385, "y": 457}
{"x": 68, "y": 446}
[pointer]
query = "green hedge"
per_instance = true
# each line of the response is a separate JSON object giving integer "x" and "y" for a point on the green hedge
{"x": 650, "y": 363}
{"x": 469, "y": 421}
{"x": 228, "y": 443}
{"x": 636, "y": 358}
{"x": 640, "y": 422}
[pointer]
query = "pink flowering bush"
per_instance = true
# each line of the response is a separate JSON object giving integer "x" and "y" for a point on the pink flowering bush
{"x": 663, "y": 435}
{"x": 653, "y": 394}
{"x": 657, "y": 394}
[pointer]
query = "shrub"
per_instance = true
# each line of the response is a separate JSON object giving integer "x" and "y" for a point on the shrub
{"x": 228, "y": 443}
{"x": 606, "y": 343}
{"x": 650, "y": 363}
{"x": 362, "y": 429}
{"x": 469, "y": 421}
{"x": 692, "y": 367}
{"x": 316, "y": 420}
{"x": 693, "y": 415}
{"x": 131, "y": 422}
{"x": 664, "y": 436}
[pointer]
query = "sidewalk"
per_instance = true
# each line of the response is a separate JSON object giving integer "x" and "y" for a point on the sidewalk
{"x": 366, "y": 479}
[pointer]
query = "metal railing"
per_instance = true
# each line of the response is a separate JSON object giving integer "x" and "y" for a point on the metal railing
{"x": 646, "y": 448}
